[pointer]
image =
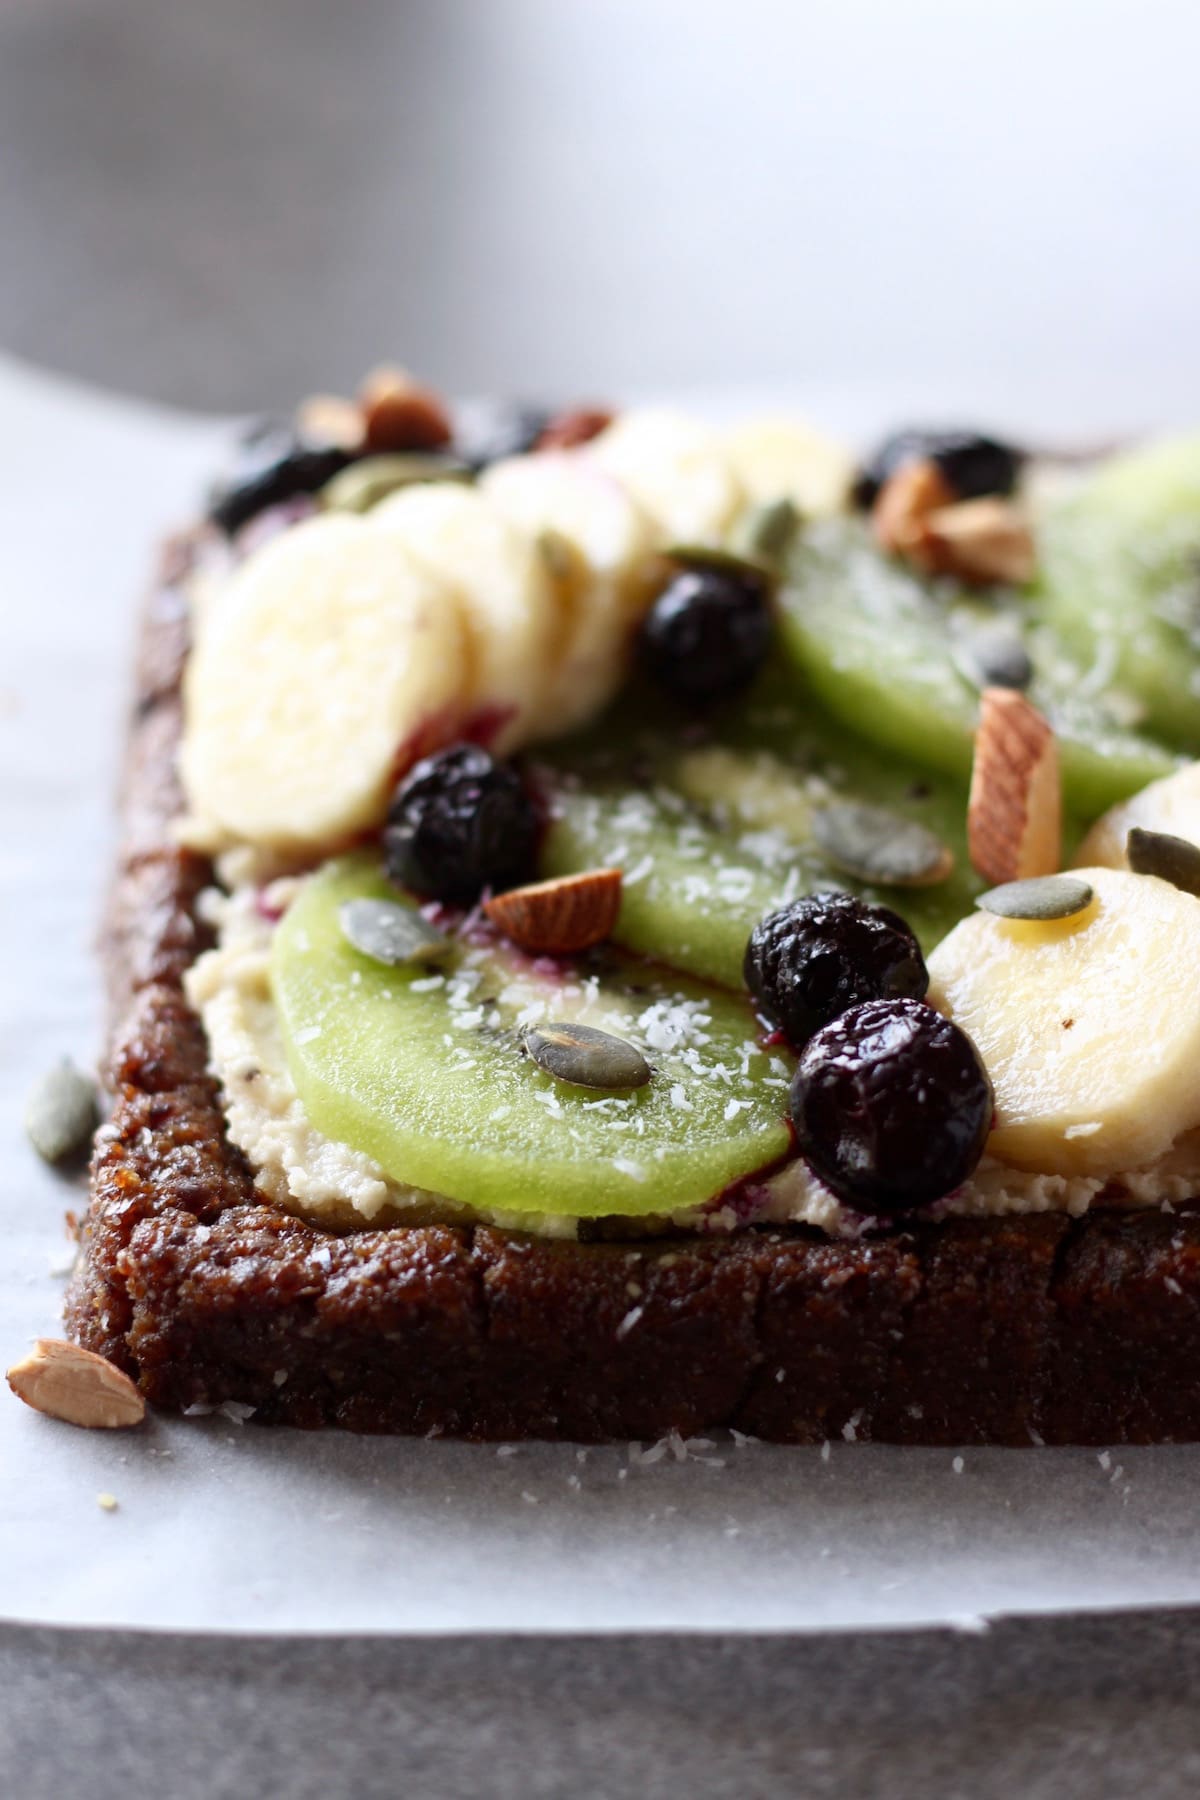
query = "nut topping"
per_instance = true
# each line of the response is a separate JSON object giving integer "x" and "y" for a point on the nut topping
{"x": 905, "y": 502}
{"x": 65, "y": 1382}
{"x": 1014, "y": 813}
{"x": 567, "y": 430}
{"x": 980, "y": 541}
{"x": 559, "y": 917}
{"x": 399, "y": 414}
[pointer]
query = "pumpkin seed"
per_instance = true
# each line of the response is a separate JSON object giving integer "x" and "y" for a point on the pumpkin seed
{"x": 585, "y": 1057}
{"x": 990, "y": 655}
{"x": 766, "y": 533}
{"x": 708, "y": 556}
{"x": 1172, "y": 859}
{"x": 392, "y": 934}
{"x": 365, "y": 483}
{"x": 61, "y": 1113}
{"x": 1041, "y": 897}
{"x": 877, "y": 845}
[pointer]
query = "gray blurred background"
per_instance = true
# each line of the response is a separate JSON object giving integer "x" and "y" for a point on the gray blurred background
{"x": 226, "y": 203}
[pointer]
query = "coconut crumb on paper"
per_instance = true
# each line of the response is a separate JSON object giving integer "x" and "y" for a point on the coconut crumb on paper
{"x": 958, "y": 1465}
{"x": 107, "y": 1502}
{"x": 236, "y": 1411}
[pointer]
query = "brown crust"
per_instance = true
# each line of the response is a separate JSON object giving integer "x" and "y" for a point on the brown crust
{"x": 1008, "y": 1331}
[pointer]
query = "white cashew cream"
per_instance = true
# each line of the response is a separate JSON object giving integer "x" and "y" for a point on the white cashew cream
{"x": 299, "y": 1168}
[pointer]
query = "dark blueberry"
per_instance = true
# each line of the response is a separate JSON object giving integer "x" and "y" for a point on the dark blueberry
{"x": 708, "y": 633}
{"x": 460, "y": 822}
{"x": 812, "y": 960}
{"x": 892, "y": 1106}
{"x": 487, "y": 431}
{"x": 972, "y": 464}
{"x": 273, "y": 465}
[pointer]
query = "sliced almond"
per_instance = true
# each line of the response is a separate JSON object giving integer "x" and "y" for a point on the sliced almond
{"x": 1014, "y": 813}
{"x": 559, "y": 917}
{"x": 77, "y": 1386}
{"x": 905, "y": 502}
{"x": 567, "y": 430}
{"x": 400, "y": 414}
{"x": 977, "y": 540}
{"x": 329, "y": 419}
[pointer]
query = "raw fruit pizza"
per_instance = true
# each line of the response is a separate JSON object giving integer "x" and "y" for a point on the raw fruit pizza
{"x": 625, "y": 822}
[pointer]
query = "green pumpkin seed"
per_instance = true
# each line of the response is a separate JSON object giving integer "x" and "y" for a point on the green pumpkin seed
{"x": 766, "y": 533}
{"x": 392, "y": 934}
{"x": 992, "y": 656}
{"x": 1041, "y": 897}
{"x": 585, "y": 1057}
{"x": 1172, "y": 859}
{"x": 877, "y": 845}
{"x": 61, "y": 1113}
{"x": 709, "y": 556}
{"x": 365, "y": 483}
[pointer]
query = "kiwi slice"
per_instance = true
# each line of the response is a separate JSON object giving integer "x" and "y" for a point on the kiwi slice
{"x": 428, "y": 1071}
{"x": 882, "y": 650}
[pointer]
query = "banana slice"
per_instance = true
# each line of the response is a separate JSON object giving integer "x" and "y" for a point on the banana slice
{"x": 331, "y": 660}
{"x": 784, "y": 459}
{"x": 506, "y": 592}
{"x": 603, "y": 579}
{"x": 1171, "y": 805}
{"x": 1086, "y": 1025}
{"x": 677, "y": 469}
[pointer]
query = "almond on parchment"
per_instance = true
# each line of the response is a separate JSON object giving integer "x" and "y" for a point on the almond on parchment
{"x": 400, "y": 414}
{"x": 904, "y": 503}
{"x": 329, "y": 419}
{"x": 1014, "y": 812}
{"x": 77, "y": 1386}
{"x": 562, "y": 916}
{"x": 978, "y": 540}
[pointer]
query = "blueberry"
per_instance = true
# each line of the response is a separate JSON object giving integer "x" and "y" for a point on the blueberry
{"x": 273, "y": 465}
{"x": 460, "y": 822}
{"x": 972, "y": 464}
{"x": 708, "y": 633}
{"x": 814, "y": 959}
{"x": 487, "y": 431}
{"x": 892, "y": 1106}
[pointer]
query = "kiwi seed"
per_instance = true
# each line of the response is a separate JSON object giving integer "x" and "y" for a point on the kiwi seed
{"x": 1172, "y": 859}
{"x": 585, "y": 1057}
{"x": 877, "y": 845}
{"x": 1040, "y": 897}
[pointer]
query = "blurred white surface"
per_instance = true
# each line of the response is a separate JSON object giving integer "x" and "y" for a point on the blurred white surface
{"x": 966, "y": 206}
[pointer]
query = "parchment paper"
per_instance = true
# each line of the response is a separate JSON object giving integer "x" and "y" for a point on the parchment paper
{"x": 221, "y": 1526}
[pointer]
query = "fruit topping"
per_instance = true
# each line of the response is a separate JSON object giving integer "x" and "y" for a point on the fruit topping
{"x": 399, "y": 414}
{"x": 567, "y": 430}
{"x": 1084, "y": 1023}
{"x": 1014, "y": 813}
{"x": 679, "y": 471}
{"x": 326, "y": 664}
{"x": 782, "y": 458}
{"x": 274, "y": 464}
{"x": 875, "y": 643}
{"x": 366, "y": 482}
{"x": 585, "y": 1057}
{"x": 971, "y": 465}
{"x": 562, "y": 916}
{"x": 891, "y": 1105}
{"x": 1171, "y": 805}
{"x": 1172, "y": 859}
{"x": 503, "y": 587}
{"x": 811, "y": 961}
{"x": 392, "y": 934}
{"x": 488, "y": 431}
{"x": 877, "y": 845}
{"x": 460, "y": 822}
{"x": 1042, "y": 897}
{"x": 708, "y": 633}
{"x": 423, "y": 1070}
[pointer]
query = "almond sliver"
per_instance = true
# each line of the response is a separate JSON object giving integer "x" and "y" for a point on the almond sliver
{"x": 1014, "y": 813}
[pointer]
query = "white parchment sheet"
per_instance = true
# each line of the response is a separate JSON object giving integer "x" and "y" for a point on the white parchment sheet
{"x": 222, "y": 1526}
